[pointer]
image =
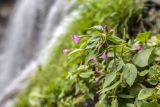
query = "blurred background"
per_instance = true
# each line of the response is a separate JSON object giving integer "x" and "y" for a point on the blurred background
{"x": 26, "y": 26}
{"x": 6, "y": 8}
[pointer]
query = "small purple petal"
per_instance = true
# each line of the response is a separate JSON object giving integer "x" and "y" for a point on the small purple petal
{"x": 76, "y": 39}
{"x": 104, "y": 56}
{"x": 97, "y": 79}
{"x": 138, "y": 47}
{"x": 65, "y": 51}
{"x": 94, "y": 59}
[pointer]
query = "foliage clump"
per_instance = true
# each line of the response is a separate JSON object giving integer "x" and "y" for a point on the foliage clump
{"x": 128, "y": 75}
{"x": 104, "y": 68}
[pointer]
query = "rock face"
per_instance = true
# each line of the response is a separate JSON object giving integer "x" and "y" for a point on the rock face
{"x": 152, "y": 16}
{"x": 156, "y": 1}
{"x": 6, "y": 7}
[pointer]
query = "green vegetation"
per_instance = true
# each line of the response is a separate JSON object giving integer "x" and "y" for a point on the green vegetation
{"x": 106, "y": 71}
{"x": 70, "y": 80}
{"x": 121, "y": 77}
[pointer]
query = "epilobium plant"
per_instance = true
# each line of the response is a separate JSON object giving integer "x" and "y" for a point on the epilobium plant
{"x": 76, "y": 39}
{"x": 107, "y": 71}
{"x": 110, "y": 12}
{"x": 65, "y": 51}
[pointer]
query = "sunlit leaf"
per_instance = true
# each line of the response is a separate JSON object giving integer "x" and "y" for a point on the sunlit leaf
{"x": 143, "y": 58}
{"x": 114, "y": 103}
{"x": 111, "y": 87}
{"x": 109, "y": 79}
{"x": 97, "y": 28}
{"x": 143, "y": 37}
{"x": 75, "y": 52}
{"x": 145, "y": 93}
{"x": 85, "y": 74}
{"x": 143, "y": 73}
{"x": 102, "y": 104}
{"x": 130, "y": 73}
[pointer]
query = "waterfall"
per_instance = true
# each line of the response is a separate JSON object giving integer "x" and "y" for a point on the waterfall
{"x": 20, "y": 83}
{"x": 29, "y": 30}
{"x": 22, "y": 38}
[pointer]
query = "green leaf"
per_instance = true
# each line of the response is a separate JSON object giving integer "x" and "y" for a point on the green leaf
{"x": 83, "y": 45}
{"x": 143, "y": 73}
{"x": 35, "y": 96}
{"x": 130, "y": 105}
{"x": 74, "y": 60}
{"x": 110, "y": 87}
{"x": 151, "y": 104}
{"x": 114, "y": 40}
{"x": 152, "y": 81}
{"x": 143, "y": 37}
{"x": 82, "y": 67}
{"x": 75, "y": 52}
{"x": 120, "y": 65}
{"x": 111, "y": 54}
{"x": 114, "y": 103}
{"x": 125, "y": 96}
{"x": 134, "y": 91}
{"x": 109, "y": 79}
{"x": 153, "y": 74}
{"x": 143, "y": 58}
{"x": 158, "y": 36}
{"x": 145, "y": 93}
{"x": 91, "y": 43}
{"x": 85, "y": 74}
{"x": 157, "y": 51}
{"x": 102, "y": 104}
{"x": 157, "y": 59}
{"x": 121, "y": 48}
{"x": 91, "y": 96}
{"x": 130, "y": 73}
{"x": 97, "y": 28}
{"x": 115, "y": 65}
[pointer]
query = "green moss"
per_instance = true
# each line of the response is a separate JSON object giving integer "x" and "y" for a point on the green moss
{"x": 117, "y": 14}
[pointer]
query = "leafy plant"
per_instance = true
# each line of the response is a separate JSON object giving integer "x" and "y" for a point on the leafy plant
{"x": 105, "y": 75}
{"x": 50, "y": 78}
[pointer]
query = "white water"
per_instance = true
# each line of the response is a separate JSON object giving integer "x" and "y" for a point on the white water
{"x": 20, "y": 82}
{"x": 28, "y": 32}
{"x": 22, "y": 38}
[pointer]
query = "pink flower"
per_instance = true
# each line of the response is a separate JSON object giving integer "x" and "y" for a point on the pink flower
{"x": 97, "y": 79}
{"x": 104, "y": 56}
{"x": 94, "y": 59}
{"x": 76, "y": 39}
{"x": 138, "y": 47}
{"x": 65, "y": 51}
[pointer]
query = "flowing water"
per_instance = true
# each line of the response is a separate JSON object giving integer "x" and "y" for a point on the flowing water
{"x": 30, "y": 28}
{"x": 22, "y": 38}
